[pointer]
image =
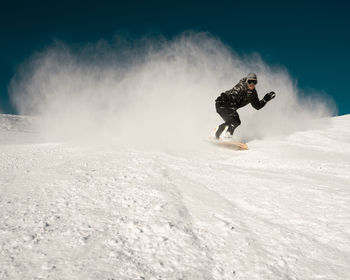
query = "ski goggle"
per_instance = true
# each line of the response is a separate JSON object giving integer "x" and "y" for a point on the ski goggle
{"x": 252, "y": 82}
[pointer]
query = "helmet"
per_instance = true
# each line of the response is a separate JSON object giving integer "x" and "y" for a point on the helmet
{"x": 251, "y": 76}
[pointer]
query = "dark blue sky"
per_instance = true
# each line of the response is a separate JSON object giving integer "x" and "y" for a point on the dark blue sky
{"x": 310, "y": 38}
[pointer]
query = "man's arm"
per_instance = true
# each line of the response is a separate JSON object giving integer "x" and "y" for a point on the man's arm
{"x": 258, "y": 104}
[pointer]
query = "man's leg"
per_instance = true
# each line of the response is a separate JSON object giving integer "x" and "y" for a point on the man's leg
{"x": 235, "y": 121}
{"x": 231, "y": 118}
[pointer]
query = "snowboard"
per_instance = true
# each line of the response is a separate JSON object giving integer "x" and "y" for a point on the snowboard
{"x": 230, "y": 144}
{"x": 227, "y": 142}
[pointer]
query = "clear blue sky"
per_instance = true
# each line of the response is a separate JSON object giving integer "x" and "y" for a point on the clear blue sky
{"x": 310, "y": 38}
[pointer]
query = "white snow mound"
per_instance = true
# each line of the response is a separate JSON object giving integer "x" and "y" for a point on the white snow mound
{"x": 280, "y": 210}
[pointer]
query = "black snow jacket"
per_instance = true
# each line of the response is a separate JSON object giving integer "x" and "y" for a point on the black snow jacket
{"x": 240, "y": 96}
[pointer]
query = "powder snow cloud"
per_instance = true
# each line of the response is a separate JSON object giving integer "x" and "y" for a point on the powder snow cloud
{"x": 154, "y": 91}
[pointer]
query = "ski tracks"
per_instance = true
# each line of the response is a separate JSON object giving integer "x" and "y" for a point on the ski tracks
{"x": 225, "y": 231}
{"x": 80, "y": 214}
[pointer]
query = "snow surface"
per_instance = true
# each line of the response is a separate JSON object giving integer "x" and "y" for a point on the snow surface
{"x": 280, "y": 210}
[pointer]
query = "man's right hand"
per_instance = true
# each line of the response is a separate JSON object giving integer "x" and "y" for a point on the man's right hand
{"x": 269, "y": 96}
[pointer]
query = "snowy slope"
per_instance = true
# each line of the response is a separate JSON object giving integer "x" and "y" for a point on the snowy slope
{"x": 280, "y": 210}
{"x": 17, "y": 129}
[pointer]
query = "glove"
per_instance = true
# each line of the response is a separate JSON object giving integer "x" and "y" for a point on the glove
{"x": 269, "y": 96}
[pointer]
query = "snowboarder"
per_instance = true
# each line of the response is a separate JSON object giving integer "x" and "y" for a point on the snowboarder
{"x": 231, "y": 100}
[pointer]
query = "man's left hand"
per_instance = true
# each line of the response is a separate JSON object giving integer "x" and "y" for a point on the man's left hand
{"x": 269, "y": 96}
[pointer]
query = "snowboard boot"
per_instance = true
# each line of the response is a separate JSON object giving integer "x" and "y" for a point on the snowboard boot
{"x": 228, "y": 136}
{"x": 220, "y": 129}
{"x": 231, "y": 129}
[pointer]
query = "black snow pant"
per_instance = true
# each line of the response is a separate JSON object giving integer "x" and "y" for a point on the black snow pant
{"x": 231, "y": 118}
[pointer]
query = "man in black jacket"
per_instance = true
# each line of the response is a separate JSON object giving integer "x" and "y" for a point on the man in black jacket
{"x": 240, "y": 95}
